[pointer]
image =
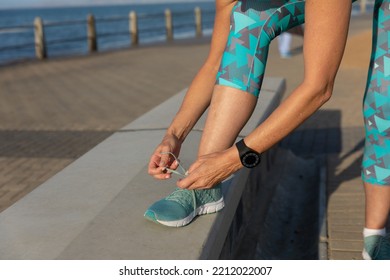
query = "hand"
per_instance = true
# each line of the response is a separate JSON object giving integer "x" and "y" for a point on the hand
{"x": 211, "y": 169}
{"x": 159, "y": 161}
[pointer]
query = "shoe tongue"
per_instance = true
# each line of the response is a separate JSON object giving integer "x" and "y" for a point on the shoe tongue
{"x": 183, "y": 197}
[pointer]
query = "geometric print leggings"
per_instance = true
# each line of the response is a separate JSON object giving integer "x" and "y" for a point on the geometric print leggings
{"x": 376, "y": 103}
{"x": 255, "y": 23}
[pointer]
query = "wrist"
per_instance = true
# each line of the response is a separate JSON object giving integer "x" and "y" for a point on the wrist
{"x": 181, "y": 125}
{"x": 176, "y": 134}
{"x": 234, "y": 158}
{"x": 248, "y": 157}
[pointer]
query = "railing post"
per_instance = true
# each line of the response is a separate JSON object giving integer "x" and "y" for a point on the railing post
{"x": 363, "y": 6}
{"x": 40, "y": 47}
{"x": 198, "y": 22}
{"x": 133, "y": 27}
{"x": 91, "y": 34}
{"x": 168, "y": 24}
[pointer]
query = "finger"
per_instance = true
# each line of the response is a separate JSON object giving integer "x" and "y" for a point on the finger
{"x": 201, "y": 185}
{"x": 174, "y": 165}
{"x": 164, "y": 158}
{"x": 182, "y": 185}
{"x": 158, "y": 171}
{"x": 153, "y": 169}
{"x": 163, "y": 176}
{"x": 154, "y": 161}
{"x": 153, "y": 165}
{"x": 196, "y": 186}
{"x": 185, "y": 183}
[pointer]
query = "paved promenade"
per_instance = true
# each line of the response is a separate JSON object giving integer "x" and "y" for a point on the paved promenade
{"x": 52, "y": 112}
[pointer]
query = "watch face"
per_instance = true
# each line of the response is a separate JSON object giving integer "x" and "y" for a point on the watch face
{"x": 250, "y": 159}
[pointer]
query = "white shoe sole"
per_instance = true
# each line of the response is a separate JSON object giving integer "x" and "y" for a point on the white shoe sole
{"x": 207, "y": 208}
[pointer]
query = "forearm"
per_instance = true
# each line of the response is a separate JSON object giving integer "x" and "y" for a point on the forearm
{"x": 301, "y": 104}
{"x": 324, "y": 43}
{"x": 201, "y": 89}
{"x": 196, "y": 101}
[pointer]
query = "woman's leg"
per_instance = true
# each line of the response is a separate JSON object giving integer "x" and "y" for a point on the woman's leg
{"x": 253, "y": 25}
{"x": 230, "y": 109}
{"x": 376, "y": 161}
{"x": 377, "y": 205}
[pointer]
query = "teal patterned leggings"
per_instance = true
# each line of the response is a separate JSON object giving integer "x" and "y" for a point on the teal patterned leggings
{"x": 376, "y": 103}
{"x": 255, "y": 23}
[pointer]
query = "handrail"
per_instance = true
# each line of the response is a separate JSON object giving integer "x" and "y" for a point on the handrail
{"x": 63, "y": 23}
{"x": 111, "y": 19}
{"x": 7, "y": 28}
{"x": 13, "y": 47}
{"x": 69, "y": 40}
{"x": 42, "y": 29}
{"x": 151, "y": 15}
{"x": 111, "y": 34}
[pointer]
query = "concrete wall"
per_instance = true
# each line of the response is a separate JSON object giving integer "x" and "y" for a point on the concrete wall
{"x": 93, "y": 209}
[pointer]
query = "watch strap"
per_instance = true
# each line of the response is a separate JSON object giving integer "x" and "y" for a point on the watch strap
{"x": 242, "y": 147}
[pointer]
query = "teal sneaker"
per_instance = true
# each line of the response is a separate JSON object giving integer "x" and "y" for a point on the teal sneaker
{"x": 376, "y": 247}
{"x": 182, "y": 206}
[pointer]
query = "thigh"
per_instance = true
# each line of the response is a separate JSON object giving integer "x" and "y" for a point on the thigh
{"x": 254, "y": 24}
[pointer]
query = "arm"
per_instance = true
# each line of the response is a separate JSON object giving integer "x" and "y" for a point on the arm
{"x": 326, "y": 31}
{"x": 198, "y": 96}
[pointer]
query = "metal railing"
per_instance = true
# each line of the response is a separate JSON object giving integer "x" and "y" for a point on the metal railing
{"x": 46, "y": 35}
{"x": 43, "y": 38}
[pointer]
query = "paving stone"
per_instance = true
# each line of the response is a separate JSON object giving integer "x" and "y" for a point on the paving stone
{"x": 345, "y": 235}
{"x": 53, "y": 112}
{"x": 345, "y": 255}
{"x": 346, "y": 245}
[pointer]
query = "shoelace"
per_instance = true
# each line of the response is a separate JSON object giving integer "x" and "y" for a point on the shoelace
{"x": 184, "y": 172}
{"x": 176, "y": 194}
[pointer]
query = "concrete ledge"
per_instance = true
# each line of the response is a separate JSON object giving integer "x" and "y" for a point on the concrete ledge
{"x": 93, "y": 209}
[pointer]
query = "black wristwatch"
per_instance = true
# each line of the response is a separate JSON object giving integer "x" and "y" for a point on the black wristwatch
{"x": 249, "y": 158}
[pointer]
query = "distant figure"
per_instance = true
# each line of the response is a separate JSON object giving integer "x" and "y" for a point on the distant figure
{"x": 285, "y": 40}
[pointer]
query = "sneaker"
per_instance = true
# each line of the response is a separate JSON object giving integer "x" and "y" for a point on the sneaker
{"x": 182, "y": 206}
{"x": 376, "y": 247}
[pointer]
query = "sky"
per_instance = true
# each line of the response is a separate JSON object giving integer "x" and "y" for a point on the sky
{"x": 4, "y": 4}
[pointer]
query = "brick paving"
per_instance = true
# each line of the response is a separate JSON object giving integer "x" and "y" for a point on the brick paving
{"x": 52, "y": 112}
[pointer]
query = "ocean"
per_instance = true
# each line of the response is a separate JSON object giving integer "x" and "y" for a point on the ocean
{"x": 17, "y": 31}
